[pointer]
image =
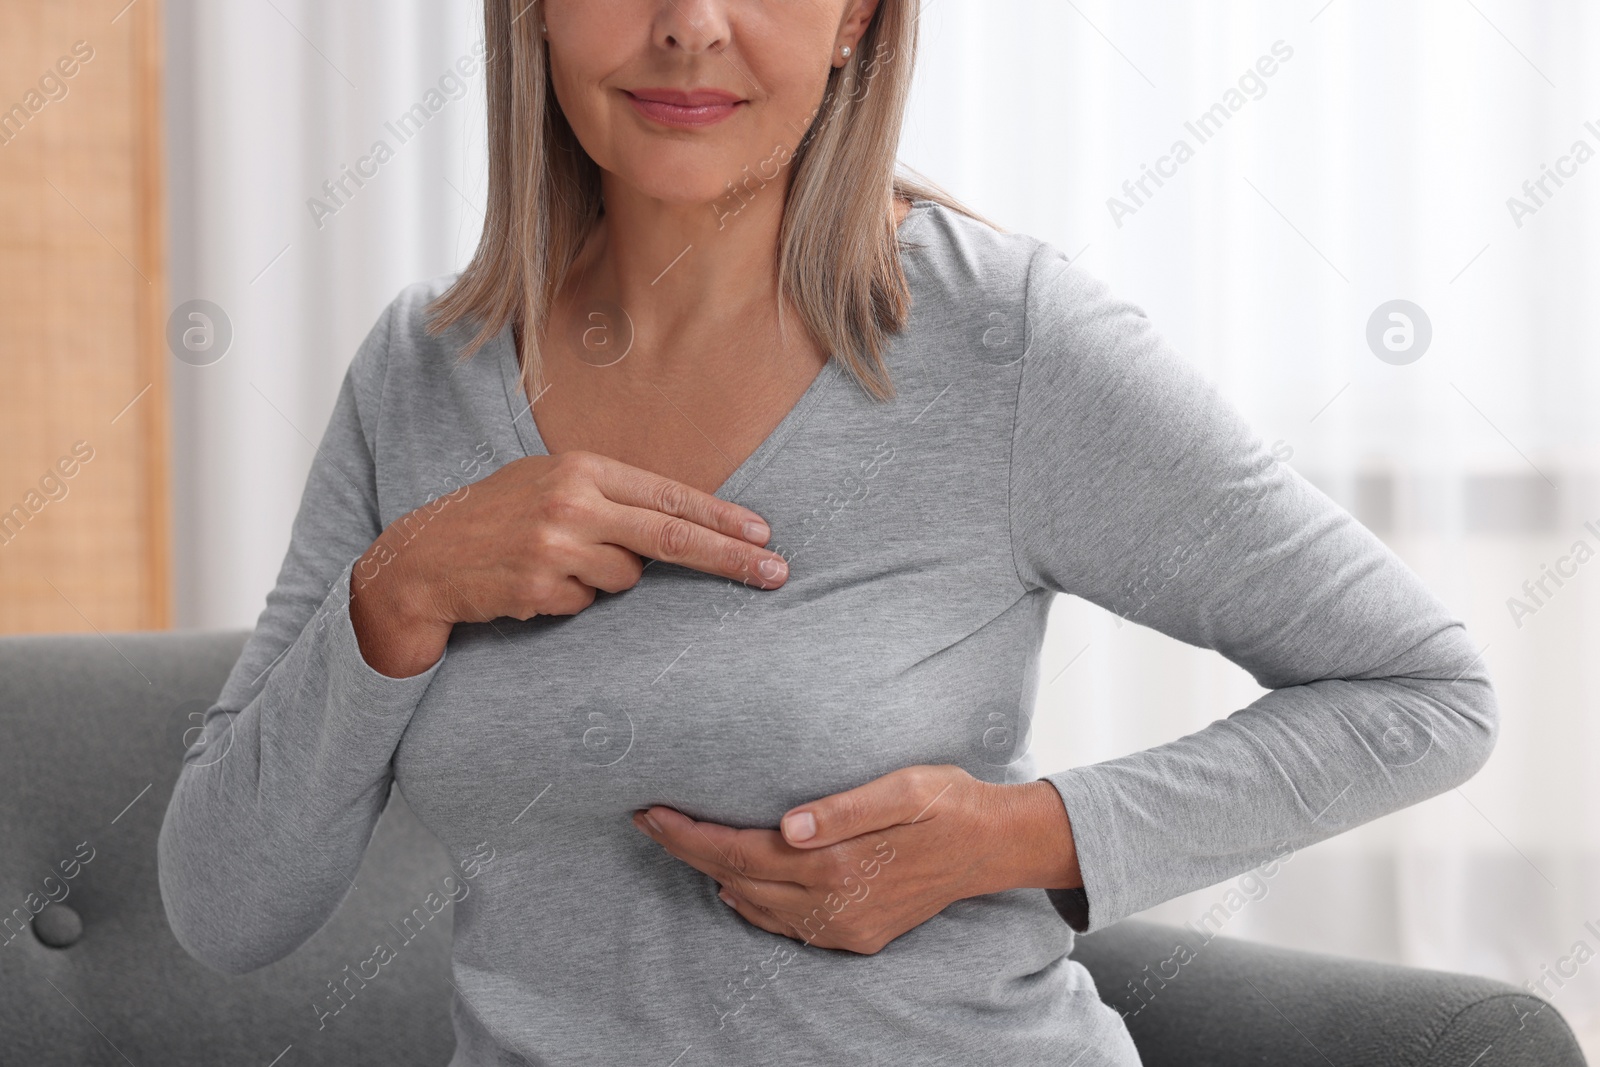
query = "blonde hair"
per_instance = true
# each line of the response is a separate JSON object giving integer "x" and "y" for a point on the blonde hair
{"x": 838, "y": 256}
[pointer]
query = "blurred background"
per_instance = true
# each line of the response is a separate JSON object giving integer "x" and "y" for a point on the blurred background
{"x": 1338, "y": 156}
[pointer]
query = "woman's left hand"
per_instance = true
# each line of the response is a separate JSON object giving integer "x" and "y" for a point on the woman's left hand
{"x": 857, "y": 869}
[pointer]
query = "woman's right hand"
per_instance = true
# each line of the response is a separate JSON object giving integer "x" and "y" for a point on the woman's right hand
{"x": 540, "y": 536}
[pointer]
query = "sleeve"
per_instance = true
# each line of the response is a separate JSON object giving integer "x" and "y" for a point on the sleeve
{"x": 1137, "y": 487}
{"x": 279, "y": 794}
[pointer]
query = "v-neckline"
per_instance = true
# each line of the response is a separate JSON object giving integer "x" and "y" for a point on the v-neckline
{"x": 532, "y": 442}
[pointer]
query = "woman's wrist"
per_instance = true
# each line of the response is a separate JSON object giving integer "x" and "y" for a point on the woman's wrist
{"x": 387, "y": 611}
{"x": 1034, "y": 840}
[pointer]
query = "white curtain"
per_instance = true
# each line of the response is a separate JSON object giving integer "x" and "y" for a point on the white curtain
{"x": 1341, "y": 155}
{"x": 268, "y": 100}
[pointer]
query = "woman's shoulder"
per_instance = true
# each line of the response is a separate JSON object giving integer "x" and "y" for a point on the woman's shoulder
{"x": 411, "y": 311}
{"x": 959, "y": 253}
{"x": 402, "y": 341}
{"x": 404, "y": 368}
{"x": 966, "y": 270}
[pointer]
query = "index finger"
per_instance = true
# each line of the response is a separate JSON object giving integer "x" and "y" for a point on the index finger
{"x": 675, "y": 523}
{"x": 639, "y": 488}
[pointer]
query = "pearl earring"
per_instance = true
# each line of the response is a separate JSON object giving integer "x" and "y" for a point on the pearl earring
{"x": 845, "y": 51}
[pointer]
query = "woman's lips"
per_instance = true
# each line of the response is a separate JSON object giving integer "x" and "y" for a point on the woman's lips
{"x": 675, "y": 107}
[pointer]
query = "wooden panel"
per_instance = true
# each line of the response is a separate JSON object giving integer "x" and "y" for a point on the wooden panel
{"x": 83, "y": 397}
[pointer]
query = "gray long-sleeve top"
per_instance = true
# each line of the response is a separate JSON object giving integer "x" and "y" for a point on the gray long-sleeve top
{"x": 1044, "y": 439}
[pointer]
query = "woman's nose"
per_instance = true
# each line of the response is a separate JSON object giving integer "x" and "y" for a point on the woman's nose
{"x": 692, "y": 26}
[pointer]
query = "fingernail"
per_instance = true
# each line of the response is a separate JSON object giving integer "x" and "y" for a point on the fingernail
{"x": 653, "y": 824}
{"x": 801, "y": 827}
{"x": 722, "y": 895}
{"x": 757, "y": 533}
{"x": 772, "y": 569}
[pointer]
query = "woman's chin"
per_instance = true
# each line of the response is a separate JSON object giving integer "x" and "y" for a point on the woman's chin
{"x": 698, "y": 187}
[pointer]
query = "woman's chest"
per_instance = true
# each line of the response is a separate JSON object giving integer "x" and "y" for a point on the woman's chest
{"x": 695, "y": 420}
{"x": 899, "y": 639}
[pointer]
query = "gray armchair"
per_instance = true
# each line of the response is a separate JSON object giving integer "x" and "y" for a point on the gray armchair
{"x": 93, "y": 733}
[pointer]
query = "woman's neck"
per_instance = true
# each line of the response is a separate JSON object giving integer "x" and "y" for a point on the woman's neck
{"x": 681, "y": 269}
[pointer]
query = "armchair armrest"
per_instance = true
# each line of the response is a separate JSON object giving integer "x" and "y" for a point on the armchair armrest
{"x": 1225, "y": 1002}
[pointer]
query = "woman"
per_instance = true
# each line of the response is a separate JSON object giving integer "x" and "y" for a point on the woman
{"x": 723, "y": 650}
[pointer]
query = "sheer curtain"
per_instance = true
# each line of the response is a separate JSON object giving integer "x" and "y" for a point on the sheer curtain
{"x": 276, "y": 111}
{"x": 1338, "y": 155}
